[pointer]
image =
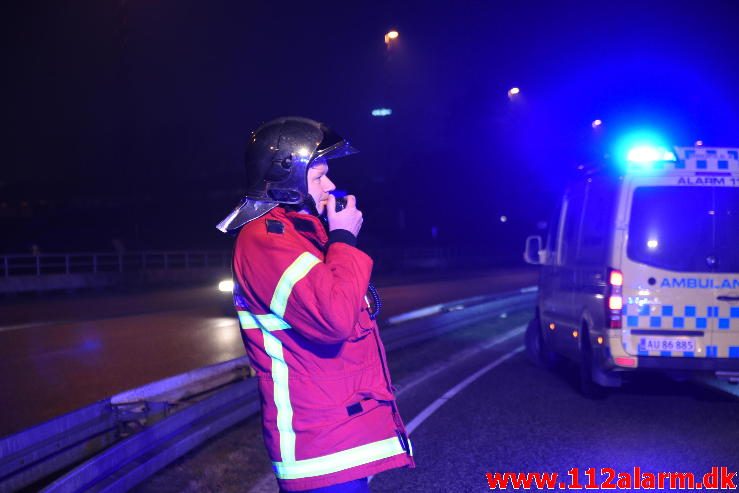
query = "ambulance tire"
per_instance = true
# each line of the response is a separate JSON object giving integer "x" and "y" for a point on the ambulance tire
{"x": 537, "y": 350}
{"x": 588, "y": 387}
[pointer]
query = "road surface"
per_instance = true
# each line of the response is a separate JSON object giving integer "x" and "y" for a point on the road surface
{"x": 60, "y": 354}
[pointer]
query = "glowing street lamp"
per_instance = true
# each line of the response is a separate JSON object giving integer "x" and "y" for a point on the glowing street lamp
{"x": 596, "y": 123}
{"x": 391, "y": 36}
{"x": 513, "y": 92}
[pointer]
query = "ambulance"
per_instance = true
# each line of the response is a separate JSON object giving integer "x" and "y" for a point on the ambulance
{"x": 640, "y": 269}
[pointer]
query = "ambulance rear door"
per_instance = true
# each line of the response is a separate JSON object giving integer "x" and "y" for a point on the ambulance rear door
{"x": 681, "y": 261}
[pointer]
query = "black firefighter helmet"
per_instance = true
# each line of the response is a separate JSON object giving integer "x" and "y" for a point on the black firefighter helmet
{"x": 278, "y": 156}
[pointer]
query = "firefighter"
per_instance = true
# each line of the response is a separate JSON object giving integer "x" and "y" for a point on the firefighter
{"x": 329, "y": 415}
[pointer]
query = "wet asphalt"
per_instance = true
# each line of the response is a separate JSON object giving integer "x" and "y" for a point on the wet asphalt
{"x": 522, "y": 418}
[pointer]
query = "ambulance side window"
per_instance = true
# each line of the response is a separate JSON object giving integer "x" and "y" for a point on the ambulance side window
{"x": 553, "y": 233}
{"x": 571, "y": 229}
{"x": 596, "y": 222}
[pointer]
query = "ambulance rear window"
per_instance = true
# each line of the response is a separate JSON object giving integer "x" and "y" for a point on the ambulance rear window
{"x": 686, "y": 229}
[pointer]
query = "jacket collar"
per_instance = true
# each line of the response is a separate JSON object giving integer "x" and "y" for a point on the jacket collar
{"x": 305, "y": 224}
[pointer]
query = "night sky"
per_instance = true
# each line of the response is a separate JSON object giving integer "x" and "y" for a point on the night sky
{"x": 127, "y": 119}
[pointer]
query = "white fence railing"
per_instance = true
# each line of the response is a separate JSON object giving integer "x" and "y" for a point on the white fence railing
{"x": 388, "y": 259}
{"x": 96, "y": 263}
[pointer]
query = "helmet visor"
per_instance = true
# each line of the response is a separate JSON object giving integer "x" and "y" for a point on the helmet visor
{"x": 332, "y": 146}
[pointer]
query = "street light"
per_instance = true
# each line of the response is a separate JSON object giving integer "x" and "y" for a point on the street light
{"x": 597, "y": 123}
{"x": 513, "y": 91}
{"x": 390, "y": 36}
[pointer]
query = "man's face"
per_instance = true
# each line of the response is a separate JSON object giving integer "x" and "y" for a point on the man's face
{"x": 319, "y": 185}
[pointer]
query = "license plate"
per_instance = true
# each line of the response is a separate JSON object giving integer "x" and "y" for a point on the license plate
{"x": 666, "y": 344}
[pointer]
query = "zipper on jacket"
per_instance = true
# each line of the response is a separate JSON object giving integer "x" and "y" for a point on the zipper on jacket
{"x": 385, "y": 372}
{"x": 399, "y": 428}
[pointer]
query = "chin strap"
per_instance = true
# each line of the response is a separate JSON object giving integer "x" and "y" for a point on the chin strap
{"x": 310, "y": 205}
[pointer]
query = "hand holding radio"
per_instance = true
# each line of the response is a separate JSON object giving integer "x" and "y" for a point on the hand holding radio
{"x": 342, "y": 213}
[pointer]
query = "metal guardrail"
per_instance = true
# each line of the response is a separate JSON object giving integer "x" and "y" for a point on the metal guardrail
{"x": 139, "y": 432}
{"x": 469, "y": 311}
{"x": 55, "y": 445}
{"x": 110, "y": 262}
{"x": 136, "y": 458}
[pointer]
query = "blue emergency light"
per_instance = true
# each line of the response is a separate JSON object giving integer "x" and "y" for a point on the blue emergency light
{"x": 645, "y": 154}
{"x": 643, "y": 151}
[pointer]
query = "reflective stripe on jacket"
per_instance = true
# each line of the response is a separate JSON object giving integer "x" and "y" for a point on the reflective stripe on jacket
{"x": 328, "y": 410}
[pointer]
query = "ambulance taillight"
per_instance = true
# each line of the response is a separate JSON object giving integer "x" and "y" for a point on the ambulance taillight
{"x": 615, "y": 298}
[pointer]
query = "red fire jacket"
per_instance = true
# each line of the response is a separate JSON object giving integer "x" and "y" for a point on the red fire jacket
{"x": 328, "y": 410}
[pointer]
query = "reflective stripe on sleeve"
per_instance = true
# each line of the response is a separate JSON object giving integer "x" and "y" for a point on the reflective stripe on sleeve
{"x": 268, "y": 322}
{"x": 297, "y": 270}
{"x": 273, "y": 347}
{"x": 281, "y": 390}
{"x": 339, "y": 461}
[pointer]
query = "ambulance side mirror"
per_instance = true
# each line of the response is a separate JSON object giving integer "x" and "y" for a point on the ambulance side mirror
{"x": 534, "y": 253}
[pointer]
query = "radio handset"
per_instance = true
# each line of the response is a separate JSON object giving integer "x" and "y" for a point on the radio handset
{"x": 375, "y": 310}
{"x": 340, "y": 204}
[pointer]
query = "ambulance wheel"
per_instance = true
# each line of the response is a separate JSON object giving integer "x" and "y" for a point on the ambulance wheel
{"x": 537, "y": 349}
{"x": 588, "y": 386}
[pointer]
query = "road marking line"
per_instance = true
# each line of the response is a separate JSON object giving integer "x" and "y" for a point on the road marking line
{"x": 457, "y": 357}
{"x": 429, "y": 410}
{"x": 449, "y": 394}
{"x": 102, "y": 318}
{"x": 24, "y": 326}
{"x": 453, "y": 306}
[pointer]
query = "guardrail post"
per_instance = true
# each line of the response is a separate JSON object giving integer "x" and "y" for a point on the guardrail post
{"x": 66, "y": 264}
{"x": 94, "y": 263}
{"x": 187, "y": 260}
{"x": 38, "y": 265}
{"x": 120, "y": 262}
{"x": 7, "y": 266}
{"x": 166, "y": 260}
